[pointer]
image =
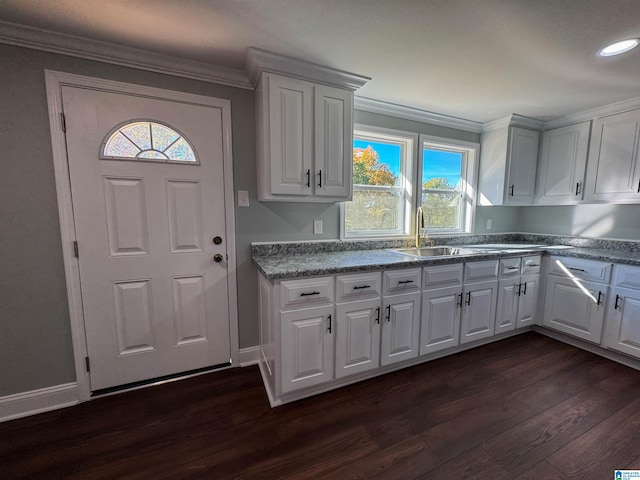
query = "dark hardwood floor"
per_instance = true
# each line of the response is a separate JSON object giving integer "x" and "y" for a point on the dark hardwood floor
{"x": 527, "y": 407}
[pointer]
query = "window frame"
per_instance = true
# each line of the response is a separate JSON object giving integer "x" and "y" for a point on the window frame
{"x": 408, "y": 173}
{"x": 471, "y": 152}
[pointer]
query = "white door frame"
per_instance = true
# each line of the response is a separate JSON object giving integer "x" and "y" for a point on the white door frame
{"x": 54, "y": 82}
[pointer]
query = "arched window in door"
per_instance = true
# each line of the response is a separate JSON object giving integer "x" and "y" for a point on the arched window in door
{"x": 146, "y": 140}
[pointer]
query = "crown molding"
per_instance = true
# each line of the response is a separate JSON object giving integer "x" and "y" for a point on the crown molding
{"x": 513, "y": 120}
{"x": 593, "y": 113}
{"x": 49, "y": 41}
{"x": 259, "y": 61}
{"x": 409, "y": 113}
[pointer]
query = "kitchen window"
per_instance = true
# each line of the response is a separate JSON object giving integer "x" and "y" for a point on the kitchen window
{"x": 388, "y": 188}
{"x": 383, "y": 184}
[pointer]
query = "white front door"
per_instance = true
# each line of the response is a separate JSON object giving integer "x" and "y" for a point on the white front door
{"x": 155, "y": 302}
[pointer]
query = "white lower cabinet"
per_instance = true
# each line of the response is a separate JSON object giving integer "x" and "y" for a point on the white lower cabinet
{"x": 440, "y": 322}
{"x": 357, "y": 336}
{"x": 622, "y": 324}
{"x": 400, "y": 328}
{"x": 517, "y": 293}
{"x": 307, "y": 348}
{"x": 528, "y": 301}
{"x": 478, "y": 310}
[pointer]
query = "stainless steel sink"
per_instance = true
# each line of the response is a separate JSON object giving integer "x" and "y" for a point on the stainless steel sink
{"x": 432, "y": 251}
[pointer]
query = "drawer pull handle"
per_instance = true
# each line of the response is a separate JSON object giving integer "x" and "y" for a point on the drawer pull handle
{"x": 512, "y": 268}
{"x": 378, "y": 315}
{"x": 404, "y": 282}
{"x": 460, "y": 300}
{"x": 599, "y": 298}
{"x": 389, "y": 313}
{"x": 616, "y": 306}
{"x": 532, "y": 265}
{"x": 308, "y": 294}
{"x": 329, "y": 323}
{"x": 361, "y": 287}
{"x": 468, "y": 302}
{"x": 576, "y": 269}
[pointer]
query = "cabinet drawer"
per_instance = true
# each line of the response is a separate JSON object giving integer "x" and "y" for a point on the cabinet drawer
{"x": 442, "y": 275}
{"x": 306, "y": 292}
{"x": 580, "y": 268}
{"x": 401, "y": 281}
{"x": 358, "y": 286}
{"x": 510, "y": 267}
{"x": 480, "y": 270}
{"x": 627, "y": 276}
{"x": 531, "y": 264}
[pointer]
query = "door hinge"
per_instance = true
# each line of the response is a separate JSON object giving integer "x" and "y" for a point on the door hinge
{"x": 76, "y": 252}
{"x": 87, "y": 364}
{"x": 63, "y": 122}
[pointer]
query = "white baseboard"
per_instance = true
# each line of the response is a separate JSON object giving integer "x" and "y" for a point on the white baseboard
{"x": 38, "y": 401}
{"x": 249, "y": 356}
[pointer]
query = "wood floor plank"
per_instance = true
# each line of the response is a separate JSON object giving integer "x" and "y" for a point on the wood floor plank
{"x": 475, "y": 464}
{"x": 543, "y": 471}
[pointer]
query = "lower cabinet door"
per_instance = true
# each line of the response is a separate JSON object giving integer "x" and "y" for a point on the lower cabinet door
{"x": 528, "y": 301}
{"x": 440, "y": 319}
{"x": 478, "y": 311}
{"x": 575, "y": 307}
{"x": 400, "y": 328}
{"x": 307, "y": 347}
{"x": 509, "y": 291}
{"x": 357, "y": 336}
{"x": 622, "y": 327}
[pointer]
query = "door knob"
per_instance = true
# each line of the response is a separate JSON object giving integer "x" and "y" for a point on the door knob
{"x": 217, "y": 258}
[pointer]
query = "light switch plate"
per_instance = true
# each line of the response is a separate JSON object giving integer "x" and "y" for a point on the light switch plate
{"x": 243, "y": 198}
{"x": 317, "y": 227}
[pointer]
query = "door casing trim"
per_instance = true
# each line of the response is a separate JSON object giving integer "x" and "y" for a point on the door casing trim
{"x": 54, "y": 82}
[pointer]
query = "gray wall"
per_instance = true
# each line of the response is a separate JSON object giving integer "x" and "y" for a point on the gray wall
{"x": 35, "y": 341}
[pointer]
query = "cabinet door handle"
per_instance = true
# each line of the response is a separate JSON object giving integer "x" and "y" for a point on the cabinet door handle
{"x": 519, "y": 289}
{"x": 360, "y": 287}
{"x": 468, "y": 302}
{"x": 308, "y": 294}
{"x": 320, "y": 179}
{"x": 525, "y": 288}
{"x": 309, "y": 178}
{"x": 378, "y": 315}
{"x": 389, "y": 313}
{"x": 329, "y": 323}
{"x": 578, "y": 185}
{"x": 460, "y": 300}
{"x": 638, "y": 186}
{"x": 599, "y": 298}
{"x": 511, "y": 190}
{"x": 615, "y": 305}
{"x": 404, "y": 282}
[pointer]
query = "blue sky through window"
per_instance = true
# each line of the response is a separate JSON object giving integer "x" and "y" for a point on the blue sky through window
{"x": 388, "y": 153}
{"x": 440, "y": 164}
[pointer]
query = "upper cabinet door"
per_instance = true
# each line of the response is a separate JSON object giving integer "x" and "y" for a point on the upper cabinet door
{"x": 563, "y": 159}
{"x": 290, "y": 119}
{"x": 523, "y": 158}
{"x": 613, "y": 174}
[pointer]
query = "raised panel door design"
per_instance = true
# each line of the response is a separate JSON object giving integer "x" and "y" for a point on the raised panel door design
{"x": 333, "y": 141}
{"x": 357, "y": 337}
{"x": 126, "y": 216}
{"x": 622, "y": 330}
{"x": 134, "y": 316}
{"x": 507, "y": 309}
{"x": 613, "y": 166}
{"x": 189, "y": 310}
{"x": 290, "y": 118}
{"x": 400, "y": 325}
{"x": 571, "y": 306}
{"x": 440, "y": 319}
{"x": 528, "y": 301}
{"x": 307, "y": 347}
{"x": 563, "y": 160}
{"x": 479, "y": 311}
{"x": 523, "y": 158}
{"x": 184, "y": 211}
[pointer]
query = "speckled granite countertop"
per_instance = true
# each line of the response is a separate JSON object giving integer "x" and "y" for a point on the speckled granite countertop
{"x": 306, "y": 262}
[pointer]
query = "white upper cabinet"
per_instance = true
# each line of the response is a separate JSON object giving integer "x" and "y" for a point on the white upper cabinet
{"x": 562, "y": 164}
{"x": 304, "y": 122}
{"x": 508, "y": 161}
{"x": 613, "y": 174}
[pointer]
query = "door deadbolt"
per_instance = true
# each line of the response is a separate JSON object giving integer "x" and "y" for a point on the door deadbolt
{"x": 217, "y": 240}
{"x": 217, "y": 258}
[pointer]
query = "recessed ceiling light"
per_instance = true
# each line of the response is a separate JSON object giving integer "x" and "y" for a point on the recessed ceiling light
{"x": 619, "y": 47}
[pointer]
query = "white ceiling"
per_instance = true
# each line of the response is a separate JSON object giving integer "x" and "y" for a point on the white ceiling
{"x": 474, "y": 59}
